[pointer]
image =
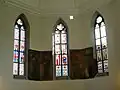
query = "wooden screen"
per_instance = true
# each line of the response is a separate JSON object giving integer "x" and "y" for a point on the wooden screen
{"x": 82, "y": 64}
{"x": 40, "y": 65}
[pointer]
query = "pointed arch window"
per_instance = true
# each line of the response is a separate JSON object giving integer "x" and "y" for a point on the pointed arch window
{"x": 20, "y": 47}
{"x": 101, "y": 46}
{"x": 60, "y": 49}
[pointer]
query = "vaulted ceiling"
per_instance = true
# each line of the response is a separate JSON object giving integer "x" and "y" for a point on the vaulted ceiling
{"x": 59, "y": 6}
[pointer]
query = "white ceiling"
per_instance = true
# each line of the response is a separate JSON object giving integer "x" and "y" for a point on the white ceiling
{"x": 60, "y": 6}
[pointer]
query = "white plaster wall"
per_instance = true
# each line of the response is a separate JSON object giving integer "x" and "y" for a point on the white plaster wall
{"x": 79, "y": 31}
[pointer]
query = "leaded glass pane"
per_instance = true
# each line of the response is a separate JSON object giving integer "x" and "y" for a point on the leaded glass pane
{"x": 104, "y": 42}
{"x": 98, "y": 47}
{"x": 58, "y": 59}
{"x": 100, "y": 65}
{"x": 58, "y": 71}
{"x": 64, "y": 49}
{"x": 64, "y": 59}
{"x": 22, "y": 35}
{"x": 99, "y": 19}
{"x": 22, "y": 28}
{"x": 57, "y": 32}
{"x": 63, "y": 31}
{"x": 65, "y": 70}
{"x": 60, "y": 27}
{"x": 15, "y": 68}
{"x": 106, "y": 70}
{"x": 102, "y": 24}
{"x": 105, "y": 53}
{"x": 98, "y": 44}
{"x": 21, "y": 69}
{"x": 106, "y": 65}
{"x": 16, "y": 45}
{"x": 99, "y": 56}
{"x": 100, "y": 71}
{"x": 103, "y": 31}
{"x": 57, "y": 38}
{"x": 16, "y": 27}
{"x": 16, "y": 34}
{"x": 57, "y": 49}
{"x": 15, "y": 58}
{"x": 63, "y": 38}
{"x": 97, "y": 33}
{"x": 19, "y": 22}
{"x": 22, "y": 46}
{"x": 21, "y": 58}
{"x": 97, "y": 26}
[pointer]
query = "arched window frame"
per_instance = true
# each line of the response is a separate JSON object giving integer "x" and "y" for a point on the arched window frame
{"x": 61, "y": 76}
{"x": 102, "y": 59}
{"x": 26, "y": 28}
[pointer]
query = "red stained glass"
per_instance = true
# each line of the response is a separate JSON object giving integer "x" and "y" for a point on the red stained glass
{"x": 15, "y": 58}
{"x": 58, "y": 59}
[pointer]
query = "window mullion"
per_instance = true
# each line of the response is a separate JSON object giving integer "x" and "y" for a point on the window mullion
{"x": 54, "y": 60}
{"x": 61, "y": 54}
{"x": 19, "y": 50}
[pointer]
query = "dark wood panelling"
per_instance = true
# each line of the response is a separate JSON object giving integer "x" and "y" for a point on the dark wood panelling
{"x": 40, "y": 65}
{"x": 46, "y": 65}
{"x": 34, "y": 65}
{"x": 82, "y": 64}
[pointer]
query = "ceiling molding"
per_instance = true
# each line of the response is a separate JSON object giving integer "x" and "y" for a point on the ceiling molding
{"x": 22, "y": 5}
{"x": 80, "y": 6}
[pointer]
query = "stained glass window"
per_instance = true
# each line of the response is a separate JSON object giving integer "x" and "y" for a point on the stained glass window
{"x": 60, "y": 49}
{"x": 19, "y": 48}
{"x": 101, "y": 44}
